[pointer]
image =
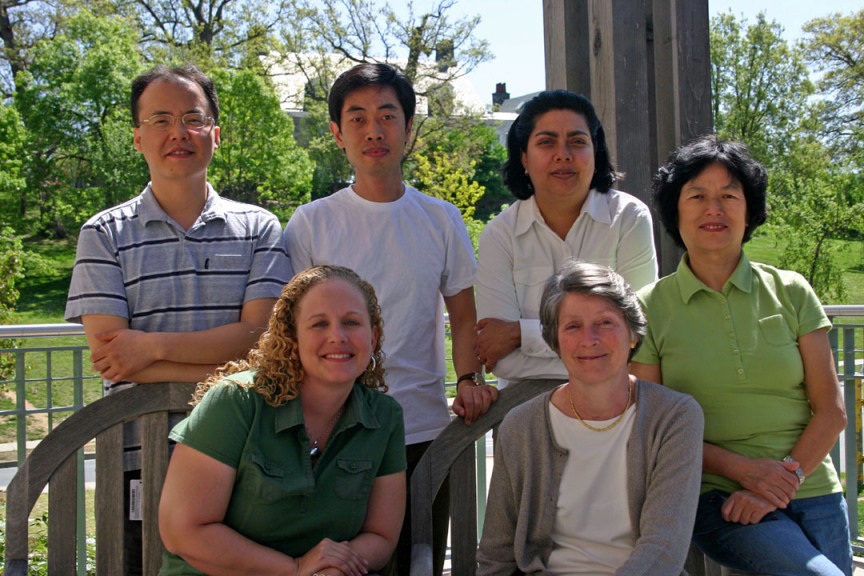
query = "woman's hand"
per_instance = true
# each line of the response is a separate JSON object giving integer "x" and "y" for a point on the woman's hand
{"x": 772, "y": 480}
{"x": 496, "y": 339}
{"x": 745, "y": 507}
{"x": 329, "y": 554}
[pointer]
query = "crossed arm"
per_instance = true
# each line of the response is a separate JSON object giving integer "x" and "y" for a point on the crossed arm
{"x": 770, "y": 484}
{"x": 120, "y": 353}
{"x": 194, "y": 501}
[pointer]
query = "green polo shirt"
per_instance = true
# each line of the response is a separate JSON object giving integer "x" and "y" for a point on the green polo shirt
{"x": 278, "y": 499}
{"x": 736, "y": 352}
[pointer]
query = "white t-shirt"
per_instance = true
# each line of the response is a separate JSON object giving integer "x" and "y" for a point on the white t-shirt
{"x": 518, "y": 252}
{"x": 592, "y": 532}
{"x": 412, "y": 251}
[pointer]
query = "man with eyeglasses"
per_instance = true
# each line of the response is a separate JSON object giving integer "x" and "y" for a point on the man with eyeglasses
{"x": 177, "y": 280}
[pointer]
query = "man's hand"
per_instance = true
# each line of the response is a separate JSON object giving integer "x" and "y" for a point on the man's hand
{"x": 123, "y": 353}
{"x": 473, "y": 401}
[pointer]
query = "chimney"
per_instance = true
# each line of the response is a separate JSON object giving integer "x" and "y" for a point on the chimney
{"x": 500, "y": 95}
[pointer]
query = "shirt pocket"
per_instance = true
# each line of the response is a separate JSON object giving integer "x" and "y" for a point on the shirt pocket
{"x": 529, "y": 288}
{"x": 776, "y": 331}
{"x": 267, "y": 479}
{"x": 353, "y": 478}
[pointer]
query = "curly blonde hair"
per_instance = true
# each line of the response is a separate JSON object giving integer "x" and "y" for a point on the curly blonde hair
{"x": 276, "y": 359}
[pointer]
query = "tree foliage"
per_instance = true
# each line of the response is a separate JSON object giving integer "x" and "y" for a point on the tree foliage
{"x": 11, "y": 266}
{"x": 441, "y": 176}
{"x": 835, "y": 47}
{"x": 762, "y": 96}
{"x": 759, "y": 84}
{"x": 258, "y": 161}
{"x": 69, "y": 99}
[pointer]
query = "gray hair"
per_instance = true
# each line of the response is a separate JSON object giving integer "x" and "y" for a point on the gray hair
{"x": 577, "y": 277}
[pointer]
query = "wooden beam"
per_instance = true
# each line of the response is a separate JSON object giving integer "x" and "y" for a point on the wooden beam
{"x": 645, "y": 65}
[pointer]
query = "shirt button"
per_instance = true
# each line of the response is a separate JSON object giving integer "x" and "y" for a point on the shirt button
{"x": 353, "y": 467}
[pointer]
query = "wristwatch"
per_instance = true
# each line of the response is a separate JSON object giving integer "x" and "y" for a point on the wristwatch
{"x": 475, "y": 377}
{"x": 798, "y": 471}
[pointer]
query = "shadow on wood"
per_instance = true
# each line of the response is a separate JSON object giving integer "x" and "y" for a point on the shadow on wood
{"x": 54, "y": 463}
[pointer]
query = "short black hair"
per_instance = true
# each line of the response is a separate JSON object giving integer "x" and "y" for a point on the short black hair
{"x": 520, "y": 132}
{"x": 188, "y": 72}
{"x": 688, "y": 161}
{"x": 371, "y": 74}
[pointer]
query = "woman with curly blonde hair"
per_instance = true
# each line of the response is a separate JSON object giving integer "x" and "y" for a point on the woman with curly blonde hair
{"x": 292, "y": 461}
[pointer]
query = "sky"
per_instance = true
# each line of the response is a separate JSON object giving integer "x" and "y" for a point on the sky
{"x": 515, "y": 33}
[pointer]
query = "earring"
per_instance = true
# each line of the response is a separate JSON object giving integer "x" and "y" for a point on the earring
{"x": 374, "y": 364}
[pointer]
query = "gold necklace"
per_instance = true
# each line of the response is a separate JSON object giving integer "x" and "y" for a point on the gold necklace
{"x": 608, "y": 426}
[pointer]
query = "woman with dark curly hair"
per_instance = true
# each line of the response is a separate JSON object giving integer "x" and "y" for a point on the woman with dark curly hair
{"x": 293, "y": 461}
{"x": 558, "y": 167}
{"x": 750, "y": 343}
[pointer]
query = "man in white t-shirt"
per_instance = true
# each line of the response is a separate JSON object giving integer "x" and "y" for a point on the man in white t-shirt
{"x": 414, "y": 250}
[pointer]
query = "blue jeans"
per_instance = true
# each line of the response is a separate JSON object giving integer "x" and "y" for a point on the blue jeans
{"x": 809, "y": 537}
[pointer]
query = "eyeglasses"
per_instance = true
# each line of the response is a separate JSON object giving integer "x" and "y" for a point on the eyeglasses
{"x": 193, "y": 121}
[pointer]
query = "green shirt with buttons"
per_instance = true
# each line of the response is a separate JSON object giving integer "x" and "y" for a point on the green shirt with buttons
{"x": 736, "y": 352}
{"x": 279, "y": 499}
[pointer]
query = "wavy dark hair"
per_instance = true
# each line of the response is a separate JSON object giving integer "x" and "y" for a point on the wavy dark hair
{"x": 520, "y": 131}
{"x": 688, "y": 161}
{"x": 276, "y": 359}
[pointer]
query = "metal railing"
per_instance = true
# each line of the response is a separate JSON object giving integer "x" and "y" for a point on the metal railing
{"x": 847, "y": 342}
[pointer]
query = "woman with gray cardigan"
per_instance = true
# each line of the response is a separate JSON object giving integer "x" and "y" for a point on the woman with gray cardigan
{"x": 600, "y": 475}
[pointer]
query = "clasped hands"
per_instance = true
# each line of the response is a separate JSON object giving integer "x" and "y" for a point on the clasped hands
{"x": 766, "y": 486}
{"x": 331, "y": 558}
{"x": 123, "y": 353}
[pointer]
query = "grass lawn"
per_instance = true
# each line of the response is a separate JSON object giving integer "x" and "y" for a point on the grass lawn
{"x": 765, "y": 248}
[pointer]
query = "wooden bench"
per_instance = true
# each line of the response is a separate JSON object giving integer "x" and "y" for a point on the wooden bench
{"x": 54, "y": 462}
{"x": 453, "y": 452}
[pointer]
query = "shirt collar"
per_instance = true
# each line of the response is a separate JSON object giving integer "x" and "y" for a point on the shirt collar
{"x": 151, "y": 211}
{"x": 689, "y": 284}
{"x": 290, "y": 415}
{"x": 596, "y": 207}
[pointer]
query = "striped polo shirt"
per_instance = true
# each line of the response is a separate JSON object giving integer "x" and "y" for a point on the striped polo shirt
{"x": 135, "y": 262}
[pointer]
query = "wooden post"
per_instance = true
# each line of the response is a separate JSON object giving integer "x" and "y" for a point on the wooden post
{"x": 645, "y": 65}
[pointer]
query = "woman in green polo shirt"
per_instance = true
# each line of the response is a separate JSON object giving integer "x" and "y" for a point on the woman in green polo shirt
{"x": 750, "y": 343}
{"x": 293, "y": 461}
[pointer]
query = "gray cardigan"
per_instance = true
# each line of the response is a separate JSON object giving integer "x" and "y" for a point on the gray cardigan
{"x": 664, "y": 469}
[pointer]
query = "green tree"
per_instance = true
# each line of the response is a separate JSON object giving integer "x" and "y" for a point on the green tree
{"x": 440, "y": 175}
{"x": 11, "y": 265}
{"x": 759, "y": 84}
{"x": 13, "y": 151}
{"x": 68, "y": 100}
{"x": 761, "y": 96}
{"x": 258, "y": 161}
{"x": 208, "y": 32}
{"x": 835, "y": 47}
{"x": 22, "y": 24}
